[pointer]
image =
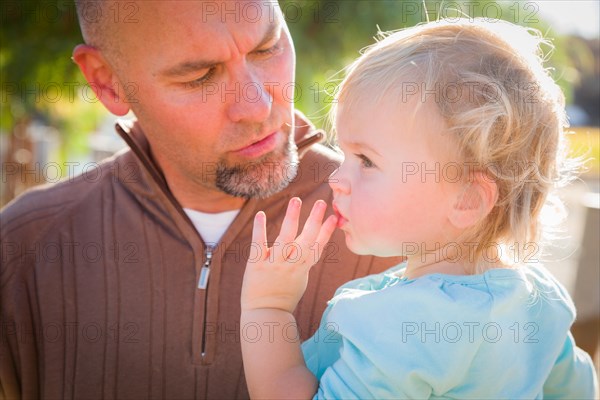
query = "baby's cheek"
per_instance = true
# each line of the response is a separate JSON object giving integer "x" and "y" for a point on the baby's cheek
{"x": 376, "y": 224}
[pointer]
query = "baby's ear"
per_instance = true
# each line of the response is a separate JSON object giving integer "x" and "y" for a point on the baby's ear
{"x": 474, "y": 202}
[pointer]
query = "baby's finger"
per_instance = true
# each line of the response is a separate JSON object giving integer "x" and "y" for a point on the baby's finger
{"x": 325, "y": 233}
{"x": 259, "y": 238}
{"x": 313, "y": 223}
{"x": 289, "y": 227}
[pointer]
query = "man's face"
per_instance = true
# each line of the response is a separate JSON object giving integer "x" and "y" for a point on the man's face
{"x": 213, "y": 85}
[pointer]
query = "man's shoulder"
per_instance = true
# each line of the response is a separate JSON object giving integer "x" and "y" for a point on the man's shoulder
{"x": 322, "y": 155}
{"x": 316, "y": 165}
{"x": 38, "y": 207}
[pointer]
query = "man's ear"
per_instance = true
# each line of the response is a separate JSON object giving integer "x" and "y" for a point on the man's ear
{"x": 474, "y": 202}
{"x": 101, "y": 78}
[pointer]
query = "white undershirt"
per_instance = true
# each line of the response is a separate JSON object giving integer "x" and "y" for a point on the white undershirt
{"x": 211, "y": 227}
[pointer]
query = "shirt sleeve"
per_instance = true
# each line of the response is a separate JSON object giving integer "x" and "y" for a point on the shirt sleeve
{"x": 573, "y": 375}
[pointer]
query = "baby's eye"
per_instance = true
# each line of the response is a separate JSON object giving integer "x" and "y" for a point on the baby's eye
{"x": 365, "y": 161}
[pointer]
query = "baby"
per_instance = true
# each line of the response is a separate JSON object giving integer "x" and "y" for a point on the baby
{"x": 452, "y": 134}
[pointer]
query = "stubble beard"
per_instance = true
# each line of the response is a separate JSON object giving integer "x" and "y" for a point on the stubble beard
{"x": 261, "y": 179}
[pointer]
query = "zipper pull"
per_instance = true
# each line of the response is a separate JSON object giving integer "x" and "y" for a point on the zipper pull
{"x": 205, "y": 271}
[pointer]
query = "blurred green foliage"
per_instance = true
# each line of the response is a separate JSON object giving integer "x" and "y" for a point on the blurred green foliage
{"x": 37, "y": 38}
{"x": 39, "y": 79}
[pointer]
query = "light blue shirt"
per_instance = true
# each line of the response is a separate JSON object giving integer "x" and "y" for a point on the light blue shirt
{"x": 500, "y": 334}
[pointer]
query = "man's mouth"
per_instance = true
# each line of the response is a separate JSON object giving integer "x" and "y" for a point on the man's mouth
{"x": 260, "y": 147}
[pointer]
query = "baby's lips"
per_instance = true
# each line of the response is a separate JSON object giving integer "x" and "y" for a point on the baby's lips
{"x": 341, "y": 220}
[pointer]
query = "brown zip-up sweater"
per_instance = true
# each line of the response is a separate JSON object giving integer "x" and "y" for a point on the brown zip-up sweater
{"x": 99, "y": 284}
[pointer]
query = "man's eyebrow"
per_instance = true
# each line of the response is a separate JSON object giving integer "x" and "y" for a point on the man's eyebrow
{"x": 189, "y": 66}
{"x": 272, "y": 31}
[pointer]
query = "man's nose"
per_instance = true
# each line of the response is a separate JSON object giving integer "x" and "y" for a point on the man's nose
{"x": 247, "y": 98}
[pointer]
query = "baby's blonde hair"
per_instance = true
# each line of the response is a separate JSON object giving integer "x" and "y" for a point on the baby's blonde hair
{"x": 503, "y": 110}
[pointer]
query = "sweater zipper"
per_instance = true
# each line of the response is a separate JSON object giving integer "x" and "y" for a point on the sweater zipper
{"x": 203, "y": 284}
{"x": 205, "y": 271}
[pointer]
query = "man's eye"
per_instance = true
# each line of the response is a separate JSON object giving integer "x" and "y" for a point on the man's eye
{"x": 269, "y": 51}
{"x": 365, "y": 161}
{"x": 200, "y": 81}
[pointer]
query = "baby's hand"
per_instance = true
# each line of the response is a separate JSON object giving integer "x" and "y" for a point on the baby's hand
{"x": 276, "y": 277}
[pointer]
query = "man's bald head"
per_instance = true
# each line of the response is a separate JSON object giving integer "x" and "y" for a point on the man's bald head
{"x": 99, "y": 21}
{"x": 90, "y": 14}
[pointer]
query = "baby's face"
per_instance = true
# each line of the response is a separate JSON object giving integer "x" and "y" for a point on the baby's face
{"x": 391, "y": 192}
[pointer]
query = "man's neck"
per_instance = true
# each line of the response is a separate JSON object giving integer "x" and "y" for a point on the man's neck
{"x": 201, "y": 198}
